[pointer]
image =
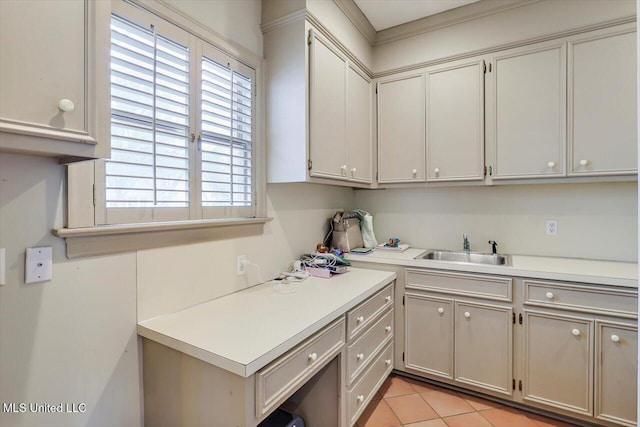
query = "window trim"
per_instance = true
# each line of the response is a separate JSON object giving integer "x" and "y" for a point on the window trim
{"x": 81, "y": 230}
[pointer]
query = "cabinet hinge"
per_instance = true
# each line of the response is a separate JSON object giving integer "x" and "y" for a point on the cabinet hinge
{"x": 309, "y": 164}
{"x": 376, "y": 89}
{"x": 309, "y": 39}
{"x": 490, "y": 170}
{"x": 513, "y": 384}
{"x": 94, "y": 194}
{"x": 519, "y": 385}
{"x": 489, "y": 66}
{"x": 403, "y": 356}
{"x": 520, "y": 318}
{"x": 484, "y": 65}
{"x": 485, "y": 171}
{"x": 402, "y": 299}
{"x": 514, "y": 317}
{"x": 376, "y": 175}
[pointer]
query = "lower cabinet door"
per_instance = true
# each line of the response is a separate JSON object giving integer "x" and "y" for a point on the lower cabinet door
{"x": 484, "y": 346}
{"x": 558, "y": 362}
{"x": 616, "y": 372}
{"x": 429, "y": 335}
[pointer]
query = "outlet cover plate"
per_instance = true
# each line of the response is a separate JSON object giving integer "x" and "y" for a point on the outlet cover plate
{"x": 552, "y": 227}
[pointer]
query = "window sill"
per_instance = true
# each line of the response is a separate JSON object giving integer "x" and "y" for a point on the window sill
{"x": 111, "y": 239}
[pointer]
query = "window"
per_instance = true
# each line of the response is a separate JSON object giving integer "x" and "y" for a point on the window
{"x": 182, "y": 127}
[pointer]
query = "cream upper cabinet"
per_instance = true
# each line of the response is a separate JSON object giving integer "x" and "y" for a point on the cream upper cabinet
{"x": 603, "y": 81}
{"x": 55, "y": 77}
{"x": 327, "y": 108}
{"x": 401, "y": 129}
{"x": 616, "y": 368}
{"x": 455, "y": 121}
{"x": 359, "y": 138}
{"x": 529, "y": 112}
{"x": 318, "y": 109}
{"x": 558, "y": 361}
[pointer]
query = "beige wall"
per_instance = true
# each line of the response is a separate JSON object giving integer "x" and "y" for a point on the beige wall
{"x": 70, "y": 340}
{"x": 597, "y": 221}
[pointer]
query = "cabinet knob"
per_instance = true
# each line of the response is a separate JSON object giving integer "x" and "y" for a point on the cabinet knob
{"x": 436, "y": 171}
{"x": 549, "y": 295}
{"x": 313, "y": 357}
{"x": 575, "y": 332}
{"x": 387, "y": 298}
{"x": 551, "y": 165}
{"x": 615, "y": 338}
{"x": 387, "y": 329}
{"x": 414, "y": 172}
{"x": 360, "y": 319}
{"x": 360, "y": 398}
{"x": 584, "y": 162}
{"x": 440, "y": 310}
{"x": 387, "y": 362}
{"x": 360, "y": 356}
{"x": 467, "y": 314}
{"x": 66, "y": 106}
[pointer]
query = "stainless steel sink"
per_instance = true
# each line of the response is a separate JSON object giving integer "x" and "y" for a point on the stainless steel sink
{"x": 467, "y": 257}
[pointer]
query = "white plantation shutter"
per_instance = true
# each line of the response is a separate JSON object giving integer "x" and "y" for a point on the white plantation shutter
{"x": 150, "y": 121}
{"x": 182, "y": 127}
{"x": 227, "y": 172}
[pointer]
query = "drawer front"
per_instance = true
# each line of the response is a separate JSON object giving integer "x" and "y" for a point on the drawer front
{"x": 360, "y": 317}
{"x": 588, "y": 299}
{"x": 476, "y": 285}
{"x": 363, "y": 391}
{"x": 362, "y": 351}
{"x": 276, "y": 382}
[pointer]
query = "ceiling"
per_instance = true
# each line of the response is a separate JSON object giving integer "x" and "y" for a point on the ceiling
{"x": 388, "y": 13}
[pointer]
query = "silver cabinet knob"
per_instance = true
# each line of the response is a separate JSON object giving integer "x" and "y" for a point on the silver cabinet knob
{"x": 549, "y": 295}
{"x": 467, "y": 314}
{"x": 615, "y": 338}
{"x": 551, "y": 165}
{"x": 436, "y": 171}
{"x": 575, "y": 332}
{"x": 313, "y": 357}
{"x": 360, "y": 319}
{"x": 360, "y": 356}
{"x": 387, "y": 329}
{"x": 440, "y": 310}
{"x": 584, "y": 162}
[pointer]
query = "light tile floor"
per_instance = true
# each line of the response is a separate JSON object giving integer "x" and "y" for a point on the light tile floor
{"x": 403, "y": 402}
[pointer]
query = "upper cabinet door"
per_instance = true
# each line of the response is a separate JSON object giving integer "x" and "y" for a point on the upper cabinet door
{"x": 401, "y": 129}
{"x": 603, "y": 82}
{"x": 455, "y": 122}
{"x": 529, "y": 112}
{"x": 327, "y": 106}
{"x": 358, "y": 126}
{"x": 51, "y": 74}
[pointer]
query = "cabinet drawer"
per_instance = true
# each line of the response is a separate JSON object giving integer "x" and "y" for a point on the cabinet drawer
{"x": 362, "y": 391}
{"x": 360, "y": 353}
{"x": 589, "y": 299}
{"x": 360, "y": 317}
{"x": 276, "y": 382}
{"x": 480, "y": 286}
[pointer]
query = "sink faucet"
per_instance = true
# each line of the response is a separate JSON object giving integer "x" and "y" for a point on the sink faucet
{"x": 494, "y": 245}
{"x": 465, "y": 243}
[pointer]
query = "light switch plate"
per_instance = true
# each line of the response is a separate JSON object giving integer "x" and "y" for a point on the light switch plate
{"x": 38, "y": 264}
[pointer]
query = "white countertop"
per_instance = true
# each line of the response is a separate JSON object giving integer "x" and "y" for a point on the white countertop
{"x": 244, "y": 331}
{"x": 624, "y": 274}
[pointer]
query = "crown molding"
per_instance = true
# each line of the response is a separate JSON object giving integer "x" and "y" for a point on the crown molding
{"x": 520, "y": 43}
{"x": 445, "y": 19}
{"x": 283, "y": 21}
{"x": 358, "y": 19}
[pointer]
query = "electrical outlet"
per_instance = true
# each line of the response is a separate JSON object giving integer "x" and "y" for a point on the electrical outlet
{"x": 552, "y": 227}
{"x": 240, "y": 265}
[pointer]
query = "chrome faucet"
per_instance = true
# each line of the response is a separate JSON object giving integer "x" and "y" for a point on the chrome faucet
{"x": 465, "y": 243}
